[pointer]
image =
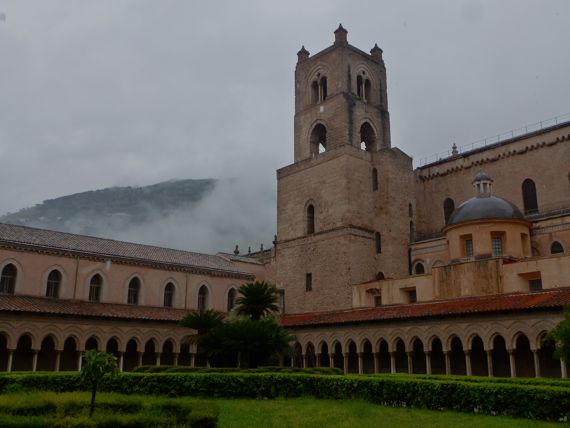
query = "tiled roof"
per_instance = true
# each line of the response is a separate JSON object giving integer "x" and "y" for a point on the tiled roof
{"x": 110, "y": 248}
{"x": 45, "y": 305}
{"x": 554, "y": 298}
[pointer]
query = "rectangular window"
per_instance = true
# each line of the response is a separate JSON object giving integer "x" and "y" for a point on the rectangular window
{"x": 497, "y": 245}
{"x": 412, "y": 297}
{"x": 535, "y": 285}
{"x": 309, "y": 282}
{"x": 378, "y": 300}
{"x": 469, "y": 247}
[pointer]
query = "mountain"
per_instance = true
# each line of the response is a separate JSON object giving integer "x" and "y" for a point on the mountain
{"x": 113, "y": 209}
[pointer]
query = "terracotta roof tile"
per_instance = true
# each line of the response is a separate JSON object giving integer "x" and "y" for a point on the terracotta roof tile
{"x": 68, "y": 242}
{"x": 45, "y": 305}
{"x": 553, "y": 298}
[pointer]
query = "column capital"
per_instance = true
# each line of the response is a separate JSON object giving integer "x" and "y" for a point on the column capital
{"x": 511, "y": 351}
{"x": 346, "y": 354}
{"x": 360, "y": 354}
{"x": 467, "y": 351}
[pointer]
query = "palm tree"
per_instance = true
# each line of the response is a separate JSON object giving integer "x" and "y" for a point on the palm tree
{"x": 204, "y": 322}
{"x": 257, "y": 299}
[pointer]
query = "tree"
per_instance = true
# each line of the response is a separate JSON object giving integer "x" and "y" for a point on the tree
{"x": 257, "y": 299}
{"x": 203, "y": 322}
{"x": 97, "y": 366}
{"x": 560, "y": 335}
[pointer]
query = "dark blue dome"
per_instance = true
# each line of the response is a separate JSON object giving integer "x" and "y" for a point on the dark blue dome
{"x": 485, "y": 207}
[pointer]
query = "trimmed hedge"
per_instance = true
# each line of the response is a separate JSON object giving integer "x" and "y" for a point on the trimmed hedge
{"x": 268, "y": 369}
{"x": 500, "y": 398}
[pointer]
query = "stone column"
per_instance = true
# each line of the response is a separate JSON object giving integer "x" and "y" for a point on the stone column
{"x": 79, "y": 360}
{"x": 140, "y": 358}
{"x": 563, "y": 370}
{"x": 512, "y": 362}
{"x": 468, "y": 363}
{"x": 410, "y": 362}
{"x": 317, "y": 360}
{"x": 377, "y": 362}
{"x": 345, "y": 360}
{"x": 447, "y": 362}
{"x": 121, "y": 361}
{"x": 57, "y": 360}
{"x": 360, "y": 363}
{"x": 175, "y": 359}
{"x": 193, "y": 359}
{"x": 158, "y": 354}
{"x": 489, "y": 362}
{"x": 34, "y": 360}
{"x": 305, "y": 361}
{"x": 428, "y": 362}
{"x": 536, "y": 359}
{"x": 393, "y": 362}
{"x": 293, "y": 358}
{"x": 10, "y": 360}
{"x": 331, "y": 360}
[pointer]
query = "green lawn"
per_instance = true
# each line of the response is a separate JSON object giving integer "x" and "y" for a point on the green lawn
{"x": 312, "y": 412}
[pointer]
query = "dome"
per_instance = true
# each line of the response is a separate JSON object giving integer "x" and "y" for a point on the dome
{"x": 486, "y": 207}
{"x": 482, "y": 176}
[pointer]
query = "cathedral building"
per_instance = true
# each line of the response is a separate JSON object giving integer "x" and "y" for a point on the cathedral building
{"x": 458, "y": 266}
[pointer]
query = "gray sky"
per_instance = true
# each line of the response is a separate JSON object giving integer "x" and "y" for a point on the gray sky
{"x": 102, "y": 93}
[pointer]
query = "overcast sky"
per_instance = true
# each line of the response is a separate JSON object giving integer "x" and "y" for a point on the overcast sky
{"x": 112, "y": 93}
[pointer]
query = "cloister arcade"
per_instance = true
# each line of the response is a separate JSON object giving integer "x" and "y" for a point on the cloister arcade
{"x": 517, "y": 351}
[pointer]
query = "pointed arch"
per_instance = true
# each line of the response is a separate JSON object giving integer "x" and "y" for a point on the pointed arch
{"x": 530, "y": 200}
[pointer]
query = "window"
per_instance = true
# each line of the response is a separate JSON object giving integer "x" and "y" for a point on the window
{"x": 53, "y": 283}
{"x": 380, "y": 276}
{"x": 310, "y": 219}
{"x": 308, "y": 282}
{"x": 535, "y": 285}
{"x": 469, "y": 247}
{"x": 419, "y": 268}
{"x": 378, "y": 242}
{"x": 231, "y": 299}
{"x": 378, "y": 300}
{"x": 95, "y": 286}
{"x": 556, "y": 248}
{"x": 315, "y": 92}
{"x": 448, "y": 208}
{"x": 374, "y": 179}
{"x": 169, "y": 295}
{"x": 323, "y": 88}
{"x": 367, "y": 90}
{"x": 412, "y": 296}
{"x": 497, "y": 246}
{"x": 318, "y": 139}
{"x": 410, "y": 210}
{"x": 8, "y": 279}
{"x": 530, "y": 202}
{"x": 133, "y": 293}
{"x": 367, "y": 137}
{"x": 359, "y": 86}
{"x": 203, "y": 298}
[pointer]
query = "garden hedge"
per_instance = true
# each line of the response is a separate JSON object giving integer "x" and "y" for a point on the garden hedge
{"x": 502, "y": 398}
{"x": 268, "y": 369}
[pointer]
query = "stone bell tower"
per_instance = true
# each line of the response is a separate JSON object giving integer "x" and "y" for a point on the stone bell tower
{"x": 343, "y": 205}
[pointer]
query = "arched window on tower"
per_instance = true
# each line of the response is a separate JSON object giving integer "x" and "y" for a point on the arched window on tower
{"x": 374, "y": 179}
{"x": 203, "y": 298}
{"x": 310, "y": 219}
{"x": 314, "y": 92}
{"x": 133, "y": 291}
{"x": 318, "y": 139}
{"x": 169, "y": 295}
{"x": 53, "y": 283}
{"x": 367, "y": 90}
{"x": 367, "y": 137}
{"x": 323, "y": 87}
{"x": 8, "y": 279}
{"x": 378, "y": 242}
{"x": 232, "y": 294}
{"x": 556, "y": 248}
{"x": 95, "y": 286}
{"x": 530, "y": 202}
{"x": 448, "y": 208}
{"x": 359, "y": 85}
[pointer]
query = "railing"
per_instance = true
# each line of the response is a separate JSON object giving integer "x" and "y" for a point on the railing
{"x": 421, "y": 236}
{"x": 549, "y": 210}
{"x": 495, "y": 139}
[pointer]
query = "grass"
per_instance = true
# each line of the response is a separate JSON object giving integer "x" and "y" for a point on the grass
{"x": 312, "y": 412}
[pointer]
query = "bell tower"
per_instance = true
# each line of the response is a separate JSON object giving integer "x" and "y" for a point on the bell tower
{"x": 340, "y": 99}
{"x": 342, "y": 206}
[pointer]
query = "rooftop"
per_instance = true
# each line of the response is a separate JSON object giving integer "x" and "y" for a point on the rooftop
{"x": 69, "y": 243}
{"x": 554, "y": 298}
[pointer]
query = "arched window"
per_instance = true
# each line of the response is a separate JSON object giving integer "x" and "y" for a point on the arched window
{"x": 367, "y": 90}
{"x": 323, "y": 87}
{"x": 134, "y": 290}
{"x": 203, "y": 298}
{"x": 231, "y": 298}
{"x": 380, "y": 275}
{"x": 315, "y": 92}
{"x": 53, "y": 283}
{"x": 448, "y": 208}
{"x": 310, "y": 219}
{"x": 374, "y": 179}
{"x": 8, "y": 279}
{"x": 169, "y": 295}
{"x": 378, "y": 242}
{"x": 318, "y": 140}
{"x": 556, "y": 248}
{"x": 367, "y": 137}
{"x": 359, "y": 85}
{"x": 530, "y": 202}
{"x": 95, "y": 286}
{"x": 419, "y": 268}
